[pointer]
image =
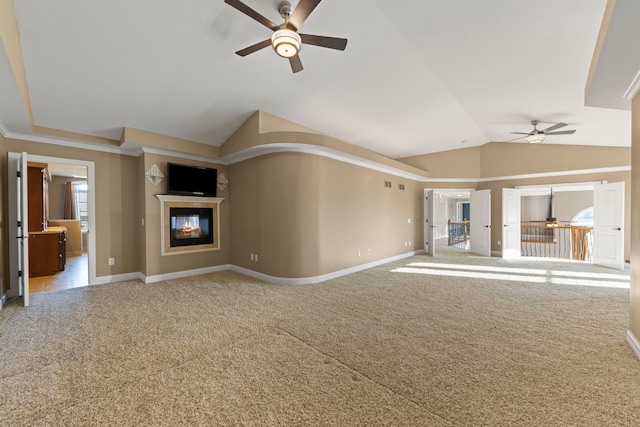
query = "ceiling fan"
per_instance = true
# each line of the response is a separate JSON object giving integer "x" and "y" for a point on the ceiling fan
{"x": 537, "y": 135}
{"x": 286, "y": 40}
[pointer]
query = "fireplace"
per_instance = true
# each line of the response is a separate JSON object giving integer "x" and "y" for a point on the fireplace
{"x": 190, "y": 226}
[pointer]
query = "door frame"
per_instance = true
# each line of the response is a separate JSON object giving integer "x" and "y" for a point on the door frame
{"x": 425, "y": 212}
{"x": 91, "y": 220}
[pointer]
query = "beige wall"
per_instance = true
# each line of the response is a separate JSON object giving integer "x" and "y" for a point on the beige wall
{"x": 462, "y": 163}
{"x": 307, "y": 215}
{"x": 507, "y": 159}
{"x": 154, "y": 262}
{"x": 634, "y": 312}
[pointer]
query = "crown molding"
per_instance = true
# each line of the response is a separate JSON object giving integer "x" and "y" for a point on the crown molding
{"x": 319, "y": 150}
{"x": 135, "y": 150}
{"x": 632, "y": 90}
{"x": 532, "y": 175}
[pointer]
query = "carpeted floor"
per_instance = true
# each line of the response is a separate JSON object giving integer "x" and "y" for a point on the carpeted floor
{"x": 455, "y": 340}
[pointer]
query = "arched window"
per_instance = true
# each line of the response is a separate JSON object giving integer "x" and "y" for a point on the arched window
{"x": 584, "y": 218}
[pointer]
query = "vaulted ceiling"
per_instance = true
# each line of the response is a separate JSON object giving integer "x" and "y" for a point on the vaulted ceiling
{"x": 417, "y": 76}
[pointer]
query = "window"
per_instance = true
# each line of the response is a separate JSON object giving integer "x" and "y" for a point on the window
{"x": 82, "y": 203}
{"x": 584, "y": 218}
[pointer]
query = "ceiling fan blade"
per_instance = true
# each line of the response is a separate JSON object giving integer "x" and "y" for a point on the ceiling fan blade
{"x": 556, "y": 126}
{"x": 296, "y": 63}
{"x": 251, "y": 13}
{"x": 324, "y": 41}
{"x": 561, "y": 132}
{"x": 302, "y": 12}
{"x": 253, "y": 48}
{"x": 520, "y": 133}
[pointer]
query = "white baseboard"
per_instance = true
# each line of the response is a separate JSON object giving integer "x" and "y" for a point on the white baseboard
{"x": 117, "y": 278}
{"x": 255, "y": 274}
{"x": 321, "y": 278}
{"x": 633, "y": 343}
{"x": 181, "y": 274}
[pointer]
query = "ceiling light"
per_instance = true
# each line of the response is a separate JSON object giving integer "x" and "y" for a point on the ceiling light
{"x": 286, "y": 43}
{"x": 535, "y": 138}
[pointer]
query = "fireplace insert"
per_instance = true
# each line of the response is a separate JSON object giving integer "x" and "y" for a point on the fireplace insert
{"x": 190, "y": 226}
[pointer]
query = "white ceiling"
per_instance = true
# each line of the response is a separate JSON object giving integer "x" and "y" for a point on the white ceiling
{"x": 417, "y": 76}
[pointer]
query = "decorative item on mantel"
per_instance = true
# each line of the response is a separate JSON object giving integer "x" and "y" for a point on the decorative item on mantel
{"x": 222, "y": 181}
{"x": 154, "y": 175}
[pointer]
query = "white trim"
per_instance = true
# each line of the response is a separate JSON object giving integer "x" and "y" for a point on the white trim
{"x": 254, "y": 274}
{"x": 186, "y": 273}
{"x": 631, "y": 91}
{"x": 319, "y": 150}
{"x": 103, "y": 280}
{"x": 633, "y": 343}
{"x": 132, "y": 149}
{"x": 137, "y": 150}
{"x": 321, "y": 278}
{"x": 533, "y": 175}
{"x": 3, "y": 129}
{"x": 85, "y": 145}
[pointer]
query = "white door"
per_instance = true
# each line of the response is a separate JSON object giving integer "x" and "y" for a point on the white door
{"x": 19, "y": 227}
{"x": 480, "y": 227}
{"x": 510, "y": 223}
{"x": 430, "y": 223}
{"x": 608, "y": 225}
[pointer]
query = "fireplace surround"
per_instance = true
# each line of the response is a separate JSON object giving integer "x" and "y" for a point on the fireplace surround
{"x": 189, "y": 224}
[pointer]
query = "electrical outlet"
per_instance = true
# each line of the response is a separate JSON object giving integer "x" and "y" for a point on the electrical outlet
{"x": 255, "y": 257}
{"x": 409, "y": 242}
{"x": 358, "y": 253}
{"x": 369, "y": 251}
{"x": 499, "y": 242}
{"x": 251, "y": 257}
{"x": 142, "y": 220}
{"x": 112, "y": 261}
{"x": 408, "y": 220}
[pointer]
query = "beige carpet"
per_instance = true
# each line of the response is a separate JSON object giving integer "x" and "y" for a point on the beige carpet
{"x": 411, "y": 343}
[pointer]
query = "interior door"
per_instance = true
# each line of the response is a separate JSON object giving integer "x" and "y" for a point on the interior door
{"x": 19, "y": 227}
{"x": 430, "y": 223}
{"x": 480, "y": 227}
{"x": 510, "y": 223}
{"x": 608, "y": 225}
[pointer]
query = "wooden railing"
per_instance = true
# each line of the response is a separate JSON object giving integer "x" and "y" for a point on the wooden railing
{"x": 542, "y": 239}
{"x": 459, "y": 234}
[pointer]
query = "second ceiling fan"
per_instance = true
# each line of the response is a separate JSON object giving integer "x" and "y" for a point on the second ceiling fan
{"x": 286, "y": 40}
{"x": 537, "y": 135}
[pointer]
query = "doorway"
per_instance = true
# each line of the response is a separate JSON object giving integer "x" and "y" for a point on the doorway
{"x": 66, "y": 209}
{"x": 83, "y": 247}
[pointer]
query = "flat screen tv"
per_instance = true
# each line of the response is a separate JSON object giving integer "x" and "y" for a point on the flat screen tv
{"x": 188, "y": 180}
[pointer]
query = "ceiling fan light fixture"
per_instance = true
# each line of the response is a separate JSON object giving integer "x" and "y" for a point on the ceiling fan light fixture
{"x": 286, "y": 42}
{"x": 535, "y": 138}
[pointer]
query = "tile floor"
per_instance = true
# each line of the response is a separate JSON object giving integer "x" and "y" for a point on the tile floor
{"x": 75, "y": 274}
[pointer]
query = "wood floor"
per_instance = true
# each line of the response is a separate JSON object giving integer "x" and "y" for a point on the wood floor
{"x": 75, "y": 274}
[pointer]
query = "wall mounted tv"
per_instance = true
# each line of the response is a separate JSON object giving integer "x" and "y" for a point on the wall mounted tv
{"x": 188, "y": 180}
